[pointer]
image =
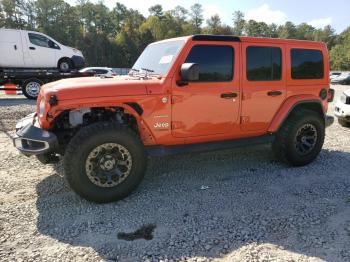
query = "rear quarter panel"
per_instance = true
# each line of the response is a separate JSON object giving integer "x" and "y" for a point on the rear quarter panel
{"x": 308, "y": 86}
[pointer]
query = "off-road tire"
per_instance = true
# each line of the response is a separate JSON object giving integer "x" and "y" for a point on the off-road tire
{"x": 28, "y": 91}
{"x": 81, "y": 146}
{"x": 284, "y": 145}
{"x": 343, "y": 123}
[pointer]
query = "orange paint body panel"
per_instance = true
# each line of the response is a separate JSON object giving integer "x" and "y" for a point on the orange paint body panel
{"x": 195, "y": 113}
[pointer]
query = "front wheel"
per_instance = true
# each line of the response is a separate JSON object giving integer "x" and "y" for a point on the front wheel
{"x": 300, "y": 139}
{"x": 105, "y": 162}
{"x": 343, "y": 123}
{"x": 65, "y": 65}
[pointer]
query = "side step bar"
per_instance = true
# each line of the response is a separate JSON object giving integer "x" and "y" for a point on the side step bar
{"x": 204, "y": 147}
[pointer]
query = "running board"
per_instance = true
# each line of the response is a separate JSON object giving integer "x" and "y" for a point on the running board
{"x": 209, "y": 146}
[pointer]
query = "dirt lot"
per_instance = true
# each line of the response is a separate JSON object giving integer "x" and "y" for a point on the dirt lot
{"x": 233, "y": 205}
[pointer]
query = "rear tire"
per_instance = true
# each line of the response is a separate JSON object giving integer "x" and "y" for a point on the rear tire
{"x": 343, "y": 123}
{"x": 31, "y": 88}
{"x": 300, "y": 139}
{"x": 105, "y": 162}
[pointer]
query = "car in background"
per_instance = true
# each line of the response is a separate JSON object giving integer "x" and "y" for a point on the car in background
{"x": 99, "y": 71}
{"x": 333, "y": 75}
{"x": 28, "y": 49}
{"x": 342, "y": 109}
{"x": 342, "y": 79}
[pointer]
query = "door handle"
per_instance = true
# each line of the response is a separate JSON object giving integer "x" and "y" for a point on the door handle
{"x": 228, "y": 95}
{"x": 274, "y": 93}
{"x": 32, "y": 48}
{"x": 15, "y": 47}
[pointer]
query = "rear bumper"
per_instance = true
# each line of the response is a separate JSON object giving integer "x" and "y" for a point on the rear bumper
{"x": 32, "y": 140}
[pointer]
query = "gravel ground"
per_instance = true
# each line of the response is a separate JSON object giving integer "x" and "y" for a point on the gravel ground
{"x": 233, "y": 205}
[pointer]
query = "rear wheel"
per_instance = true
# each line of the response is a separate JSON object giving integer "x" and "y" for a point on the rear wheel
{"x": 105, "y": 162}
{"x": 300, "y": 139}
{"x": 31, "y": 88}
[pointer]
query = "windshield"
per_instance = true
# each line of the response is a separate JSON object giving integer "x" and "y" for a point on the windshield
{"x": 157, "y": 58}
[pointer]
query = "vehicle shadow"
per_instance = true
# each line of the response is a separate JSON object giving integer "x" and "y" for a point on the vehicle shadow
{"x": 211, "y": 205}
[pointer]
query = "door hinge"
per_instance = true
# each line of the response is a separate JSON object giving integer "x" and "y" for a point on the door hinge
{"x": 176, "y": 99}
{"x": 246, "y": 96}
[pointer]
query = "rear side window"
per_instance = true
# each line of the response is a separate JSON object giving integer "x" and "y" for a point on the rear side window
{"x": 215, "y": 62}
{"x": 264, "y": 63}
{"x": 307, "y": 64}
{"x": 100, "y": 71}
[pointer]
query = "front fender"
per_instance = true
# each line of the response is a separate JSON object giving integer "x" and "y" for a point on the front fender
{"x": 291, "y": 104}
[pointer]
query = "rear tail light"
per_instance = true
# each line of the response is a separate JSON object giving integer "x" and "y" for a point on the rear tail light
{"x": 330, "y": 95}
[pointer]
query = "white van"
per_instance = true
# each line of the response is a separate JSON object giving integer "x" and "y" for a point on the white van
{"x": 27, "y": 49}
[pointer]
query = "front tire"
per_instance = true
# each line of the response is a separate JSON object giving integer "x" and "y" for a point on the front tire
{"x": 65, "y": 65}
{"x": 105, "y": 162}
{"x": 343, "y": 123}
{"x": 300, "y": 139}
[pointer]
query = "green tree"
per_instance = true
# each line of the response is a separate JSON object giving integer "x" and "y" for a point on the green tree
{"x": 180, "y": 13}
{"x": 214, "y": 24}
{"x": 253, "y": 28}
{"x": 197, "y": 17}
{"x": 13, "y": 14}
{"x": 156, "y": 10}
{"x": 288, "y": 31}
{"x": 238, "y": 23}
{"x": 327, "y": 35}
{"x": 340, "y": 53}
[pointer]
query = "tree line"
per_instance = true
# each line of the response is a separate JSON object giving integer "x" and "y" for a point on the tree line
{"x": 115, "y": 37}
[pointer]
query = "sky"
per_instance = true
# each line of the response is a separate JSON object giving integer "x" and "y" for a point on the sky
{"x": 318, "y": 13}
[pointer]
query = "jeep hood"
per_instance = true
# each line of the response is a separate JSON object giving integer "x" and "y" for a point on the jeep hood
{"x": 87, "y": 87}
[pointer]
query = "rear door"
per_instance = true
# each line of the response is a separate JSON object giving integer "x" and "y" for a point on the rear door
{"x": 264, "y": 84}
{"x": 209, "y": 106}
{"x": 41, "y": 51}
{"x": 11, "y": 48}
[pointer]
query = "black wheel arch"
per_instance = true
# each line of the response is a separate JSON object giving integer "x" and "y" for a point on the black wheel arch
{"x": 312, "y": 105}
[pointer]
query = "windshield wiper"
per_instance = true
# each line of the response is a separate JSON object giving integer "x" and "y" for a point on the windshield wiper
{"x": 133, "y": 70}
{"x": 148, "y": 70}
{"x": 142, "y": 73}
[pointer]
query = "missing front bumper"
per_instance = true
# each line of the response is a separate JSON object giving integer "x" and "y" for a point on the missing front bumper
{"x": 32, "y": 140}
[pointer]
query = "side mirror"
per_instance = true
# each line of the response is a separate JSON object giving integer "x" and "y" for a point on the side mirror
{"x": 189, "y": 72}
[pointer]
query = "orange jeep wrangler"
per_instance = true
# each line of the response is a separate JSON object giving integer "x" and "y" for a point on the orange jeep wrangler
{"x": 188, "y": 94}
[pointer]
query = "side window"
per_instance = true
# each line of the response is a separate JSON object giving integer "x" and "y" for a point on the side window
{"x": 215, "y": 62}
{"x": 307, "y": 64}
{"x": 38, "y": 40}
{"x": 100, "y": 71}
{"x": 42, "y": 41}
{"x": 53, "y": 45}
{"x": 264, "y": 63}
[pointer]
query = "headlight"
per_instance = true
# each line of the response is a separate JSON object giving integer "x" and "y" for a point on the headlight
{"x": 41, "y": 108}
{"x": 343, "y": 98}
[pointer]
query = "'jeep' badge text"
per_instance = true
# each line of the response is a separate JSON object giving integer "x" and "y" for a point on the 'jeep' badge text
{"x": 161, "y": 125}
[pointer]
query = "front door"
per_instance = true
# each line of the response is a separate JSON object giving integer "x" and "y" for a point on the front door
{"x": 209, "y": 106}
{"x": 40, "y": 51}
